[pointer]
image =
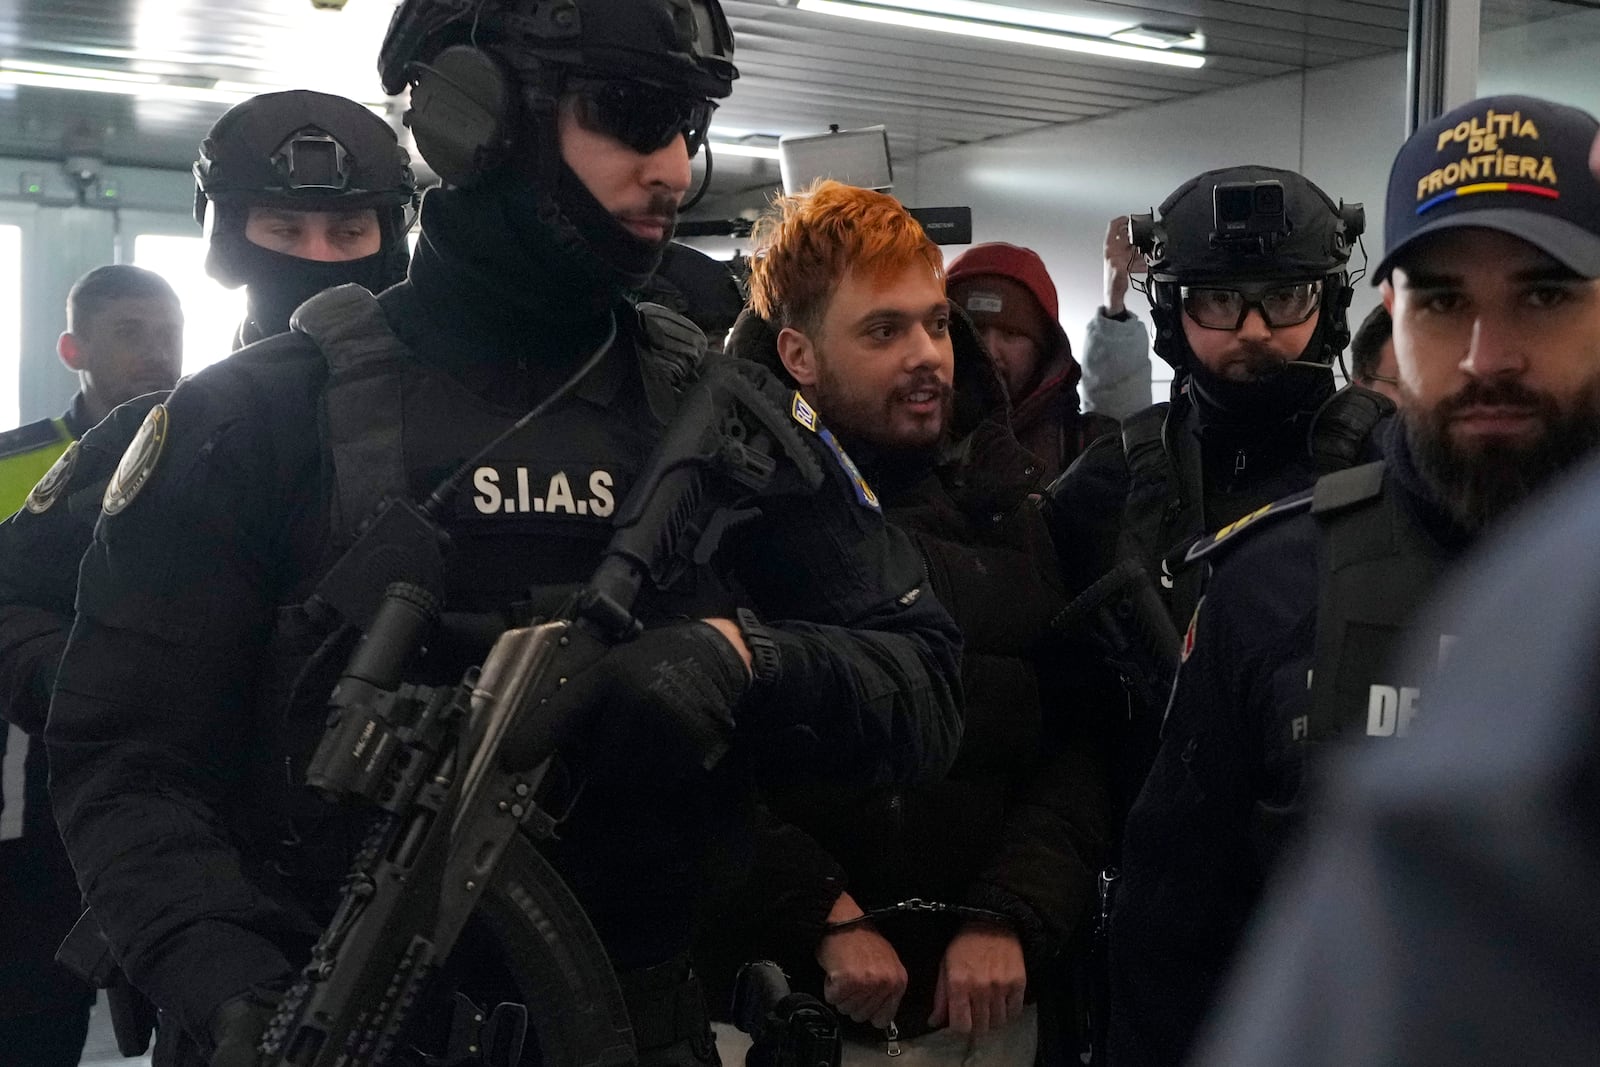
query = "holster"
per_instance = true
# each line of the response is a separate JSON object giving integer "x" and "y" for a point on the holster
{"x": 667, "y": 1008}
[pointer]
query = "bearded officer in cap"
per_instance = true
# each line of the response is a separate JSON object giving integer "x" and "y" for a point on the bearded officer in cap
{"x": 1494, "y": 289}
{"x": 190, "y": 696}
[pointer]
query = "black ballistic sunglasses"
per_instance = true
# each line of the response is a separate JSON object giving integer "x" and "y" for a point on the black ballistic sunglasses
{"x": 643, "y": 117}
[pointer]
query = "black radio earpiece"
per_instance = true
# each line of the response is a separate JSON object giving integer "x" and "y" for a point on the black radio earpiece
{"x": 463, "y": 113}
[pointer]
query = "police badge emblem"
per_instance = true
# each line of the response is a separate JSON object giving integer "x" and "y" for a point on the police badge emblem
{"x": 138, "y": 462}
{"x": 49, "y": 488}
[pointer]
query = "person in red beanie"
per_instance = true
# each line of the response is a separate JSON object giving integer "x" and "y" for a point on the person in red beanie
{"x": 1009, "y": 295}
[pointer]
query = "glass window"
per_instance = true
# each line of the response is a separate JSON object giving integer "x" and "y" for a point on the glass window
{"x": 211, "y": 313}
{"x": 1541, "y": 48}
{"x": 10, "y": 325}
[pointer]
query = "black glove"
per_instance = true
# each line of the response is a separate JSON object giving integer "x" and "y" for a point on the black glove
{"x": 237, "y": 1026}
{"x": 661, "y": 703}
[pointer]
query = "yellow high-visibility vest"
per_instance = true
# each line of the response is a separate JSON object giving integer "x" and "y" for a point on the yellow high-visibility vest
{"x": 25, "y": 454}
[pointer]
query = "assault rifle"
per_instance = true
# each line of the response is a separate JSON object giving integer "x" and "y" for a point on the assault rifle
{"x": 1123, "y": 616}
{"x": 455, "y": 773}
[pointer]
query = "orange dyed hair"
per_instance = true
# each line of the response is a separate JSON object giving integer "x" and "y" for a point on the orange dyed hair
{"x": 807, "y": 244}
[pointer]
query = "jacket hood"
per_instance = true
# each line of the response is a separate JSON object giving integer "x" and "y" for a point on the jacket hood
{"x": 1058, "y": 381}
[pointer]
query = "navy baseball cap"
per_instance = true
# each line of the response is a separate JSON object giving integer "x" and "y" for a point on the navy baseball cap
{"x": 1516, "y": 164}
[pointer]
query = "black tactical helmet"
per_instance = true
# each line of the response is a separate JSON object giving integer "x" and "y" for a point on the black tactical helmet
{"x": 310, "y": 151}
{"x": 305, "y": 151}
{"x": 681, "y": 45}
{"x": 1249, "y": 224}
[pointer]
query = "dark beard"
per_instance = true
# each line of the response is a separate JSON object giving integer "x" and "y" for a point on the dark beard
{"x": 1477, "y": 485}
{"x": 862, "y": 418}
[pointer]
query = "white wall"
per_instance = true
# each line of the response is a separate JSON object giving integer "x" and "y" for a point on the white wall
{"x": 1554, "y": 59}
{"x": 1054, "y": 190}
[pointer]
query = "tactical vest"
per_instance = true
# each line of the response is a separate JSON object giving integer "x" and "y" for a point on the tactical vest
{"x": 374, "y": 389}
{"x": 26, "y": 453}
{"x": 367, "y": 364}
{"x": 1377, "y": 570}
{"x": 1165, "y": 506}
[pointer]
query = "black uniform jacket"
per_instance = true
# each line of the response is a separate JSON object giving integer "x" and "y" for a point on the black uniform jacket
{"x": 1021, "y": 824}
{"x": 1241, "y": 468}
{"x": 207, "y": 863}
{"x": 40, "y": 547}
{"x": 1222, "y": 798}
{"x": 1444, "y": 910}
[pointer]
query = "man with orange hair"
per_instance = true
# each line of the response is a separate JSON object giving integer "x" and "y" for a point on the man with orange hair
{"x": 936, "y": 913}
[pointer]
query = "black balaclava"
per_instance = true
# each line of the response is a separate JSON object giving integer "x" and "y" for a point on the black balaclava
{"x": 277, "y": 284}
{"x": 514, "y": 219}
{"x": 299, "y": 151}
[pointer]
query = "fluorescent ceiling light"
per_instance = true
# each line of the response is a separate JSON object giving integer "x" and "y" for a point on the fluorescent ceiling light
{"x": 1015, "y": 16}
{"x": 141, "y": 86}
{"x": 29, "y": 67}
{"x": 143, "y": 90}
{"x": 1159, "y": 37}
{"x": 994, "y": 31}
{"x": 751, "y": 151}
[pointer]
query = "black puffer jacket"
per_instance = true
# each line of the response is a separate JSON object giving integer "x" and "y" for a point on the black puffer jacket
{"x": 1020, "y": 823}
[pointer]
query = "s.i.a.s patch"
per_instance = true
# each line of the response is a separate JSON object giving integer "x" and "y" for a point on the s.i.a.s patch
{"x": 48, "y": 489}
{"x": 806, "y": 416}
{"x": 138, "y": 462}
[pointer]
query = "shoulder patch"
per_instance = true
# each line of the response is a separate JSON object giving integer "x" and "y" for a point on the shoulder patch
{"x": 1211, "y": 543}
{"x": 138, "y": 462}
{"x": 803, "y": 413}
{"x": 58, "y": 477}
{"x": 29, "y": 438}
{"x": 806, "y": 416}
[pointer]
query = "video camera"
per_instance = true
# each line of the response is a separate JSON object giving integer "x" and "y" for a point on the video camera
{"x": 1252, "y": 216}
{"x": 854, "y": 157}
{"x": 1248, "y": 218}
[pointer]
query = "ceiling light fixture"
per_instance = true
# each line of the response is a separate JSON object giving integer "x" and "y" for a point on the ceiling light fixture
{"x": 142, "y": 86}
{"x": 1159, "y": 37}
{"x": 989, "y": 26}
{"x": 979, "y": 11}
{"x": 88, "y": 82}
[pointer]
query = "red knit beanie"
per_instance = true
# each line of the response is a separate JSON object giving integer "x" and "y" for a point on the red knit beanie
{"x": 1021, "y": 265}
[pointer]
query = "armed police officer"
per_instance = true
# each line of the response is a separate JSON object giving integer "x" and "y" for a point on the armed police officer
{"x": 1248, "y": 287}
{"x": 1248, "y": 291}
{"x": 193, "y": 691}
{"x": 343, "y": 224}
{"x": 1494, "y": 290}
{"x": 298, "y": 191}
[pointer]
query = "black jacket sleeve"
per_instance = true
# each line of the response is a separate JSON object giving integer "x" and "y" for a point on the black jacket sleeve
{"x": 1196, "y": 848}
{"x": 39, "y": 556}
{"x": 869, "y": 687}
{"x": 1055, "y": 836}
{"x": 153, "y": 709}
{"x": 1083, "y": 509}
